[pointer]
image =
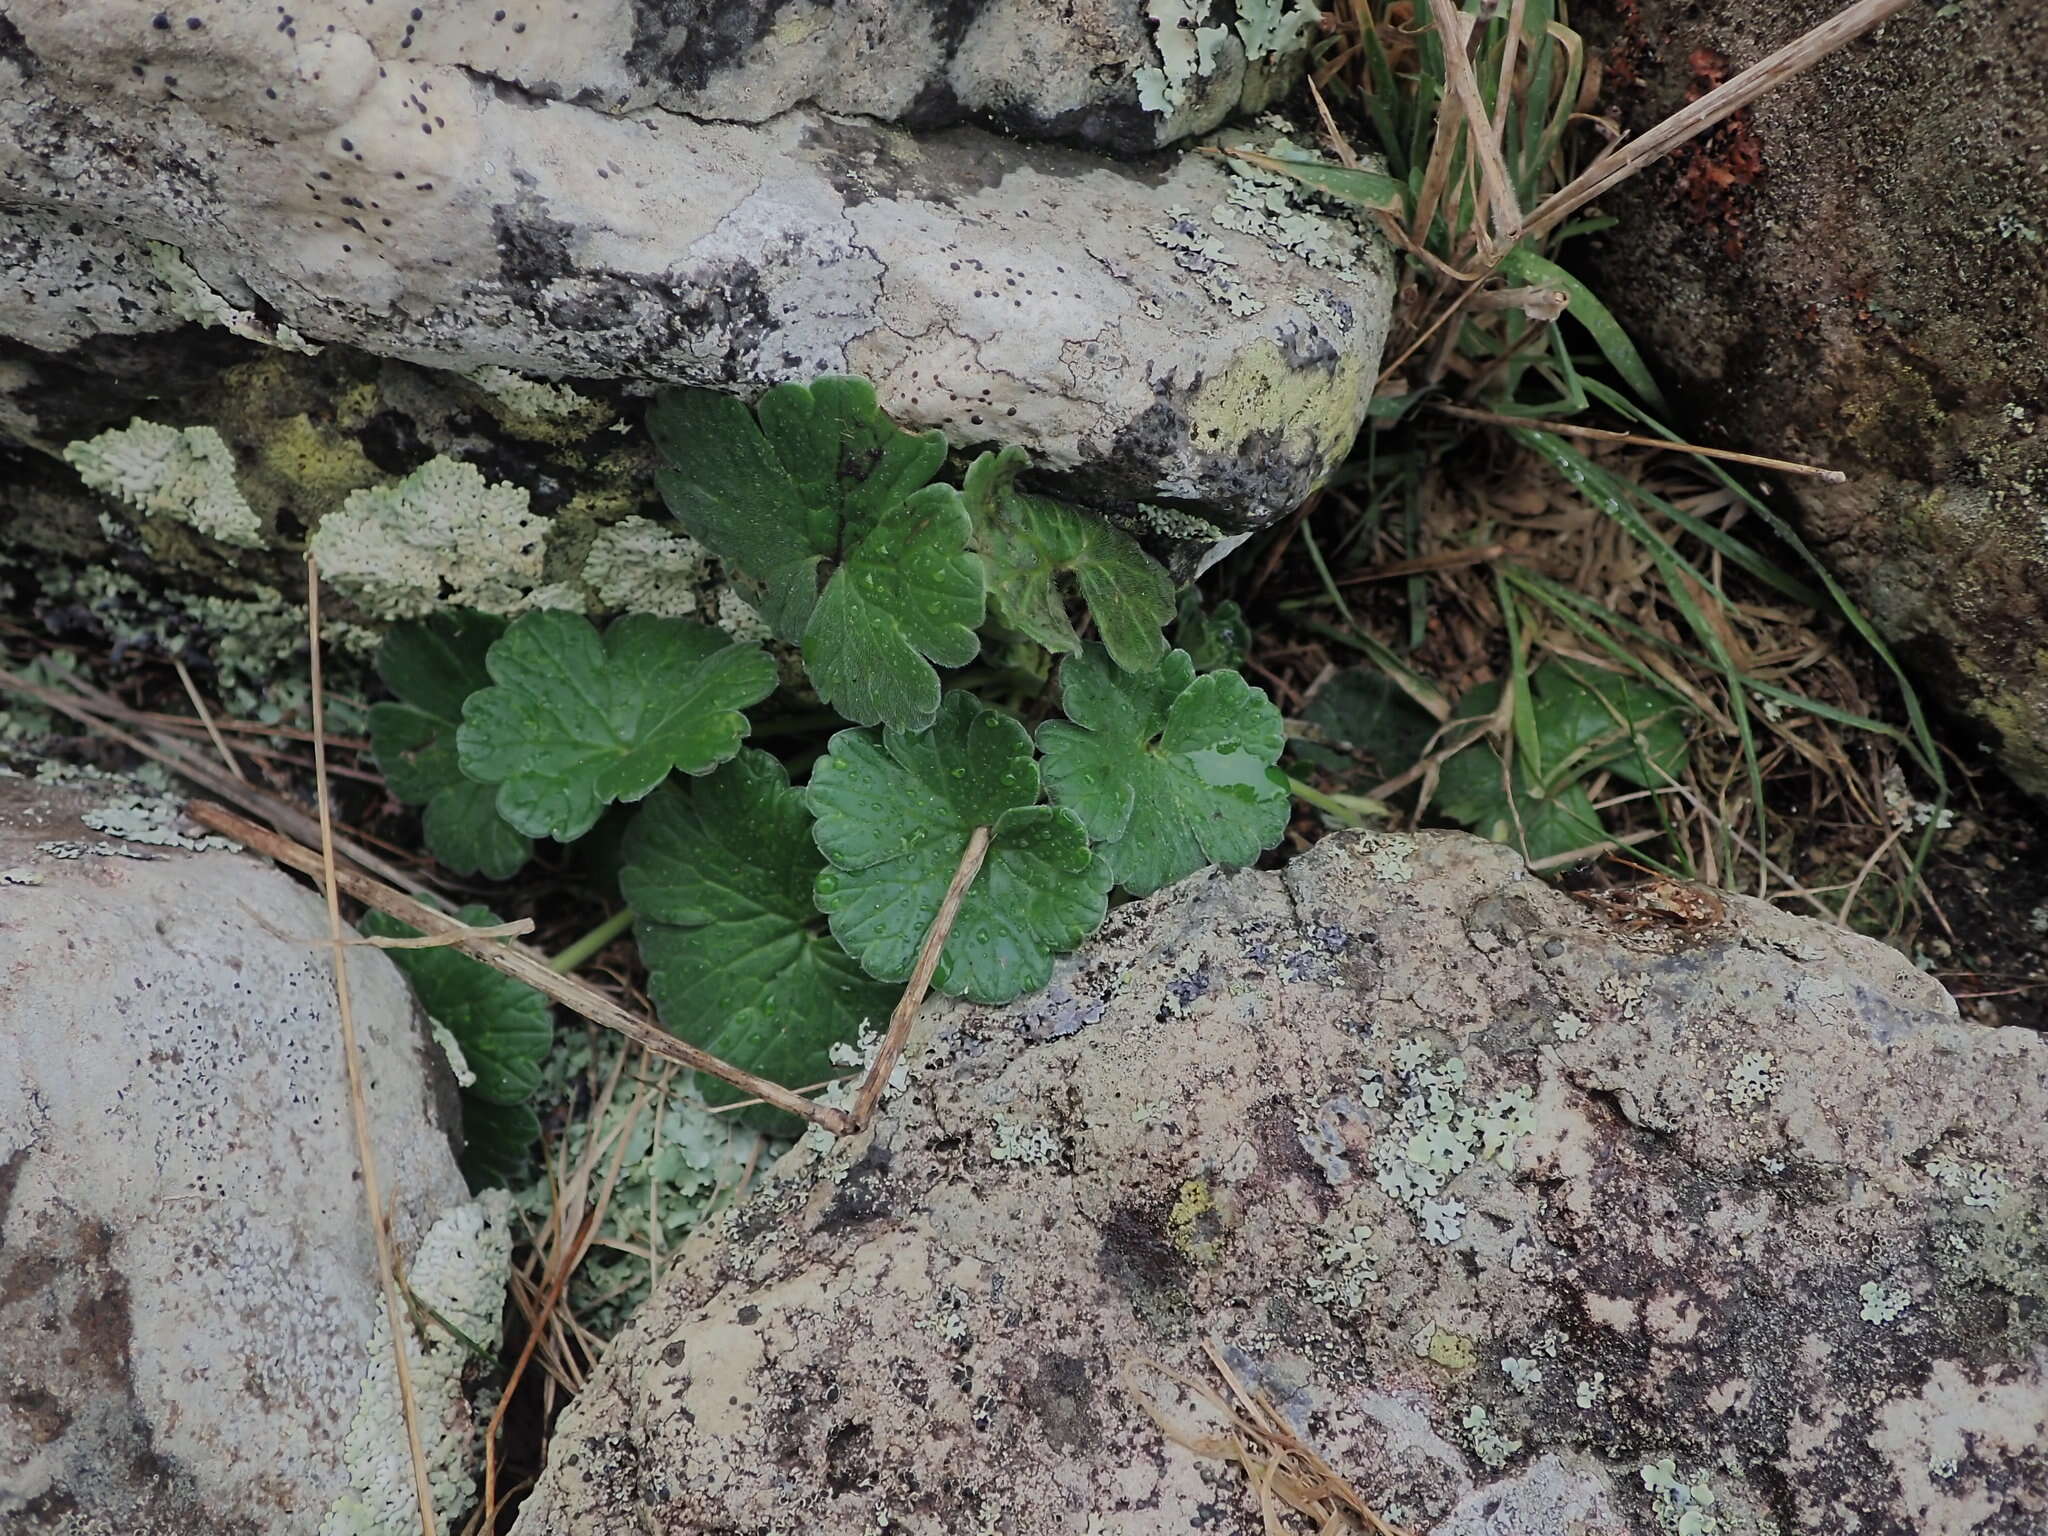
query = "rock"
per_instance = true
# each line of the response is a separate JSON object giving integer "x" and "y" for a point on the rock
{"x": 414, "y": 191}
{"x": 192, "y": 1337}
{"x": 1525, "y": 1222}
{"x": 1855, "y": 273}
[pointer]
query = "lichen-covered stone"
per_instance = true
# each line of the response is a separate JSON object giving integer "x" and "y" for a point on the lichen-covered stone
{"x": 191, "y": 1328}
{"x": 1855, "y": 273}
{"x": 1524, "y": 1223}
{"x": 344, "y": 178}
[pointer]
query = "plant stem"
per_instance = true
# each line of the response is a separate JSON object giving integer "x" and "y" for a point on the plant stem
{"x": 1352, "y": 810}
{"x": 573, "y": 956}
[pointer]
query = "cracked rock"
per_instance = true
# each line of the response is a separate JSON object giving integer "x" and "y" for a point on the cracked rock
{"x": 453, "y": 191}
{"x": 1730, "y": 1230}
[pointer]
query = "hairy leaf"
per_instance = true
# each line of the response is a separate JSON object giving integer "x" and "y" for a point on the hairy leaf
{"x": 826, "y": 505}
{"x": 1029, "y": 543}
{"x": 433, "y": 665}
{"x": 576, "y": 722}
{"x": 894, "y": 816}
{"x": 1169, "y": 771}
{"x": 739, "y": 958}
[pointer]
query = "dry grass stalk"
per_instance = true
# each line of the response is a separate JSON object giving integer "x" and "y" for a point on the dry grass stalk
{"x": 213, "y": 734}
{"x": 870, "y": 1095}
{"x": 521, "y": 965}
{"x": 97, "y": 712}
{"x": 1601, "y": 435}
{"x": 1624, "y": 160}
{"x": 359, "y": 1109}
{"x": 1283, "y": 1470}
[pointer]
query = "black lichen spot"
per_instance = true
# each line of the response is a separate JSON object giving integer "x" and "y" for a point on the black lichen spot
{"x": 863, "y": 1194}
{"x": 849, "y": 1459}
{"x": 161, "y": 22}
{"x": 14, "y": 49}
{"x": 684, "y": 42}
{"x": 1137, "y": 1255}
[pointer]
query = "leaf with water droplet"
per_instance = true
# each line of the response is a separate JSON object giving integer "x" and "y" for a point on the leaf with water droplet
{"x": 826, "y": 506}
{"x": 721, "y": 877}
{"x": 1167, "y": 770}
{"x": 433, "y": 665}
{"x": 576, "y": 721}
{"x": 1040, "y": 890}
{"x": 1032, "y": 544}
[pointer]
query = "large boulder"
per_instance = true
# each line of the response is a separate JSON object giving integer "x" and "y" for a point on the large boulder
{"x": 192, "y": 1335}
{"x": 1855, "y": 272}
{"x": 1525, "y": 1217}
{"x": 502, "y": 193}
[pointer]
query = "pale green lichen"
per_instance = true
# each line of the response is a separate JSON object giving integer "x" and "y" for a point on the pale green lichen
{"x": 193, "y": 298}
{"x": 458, "y": 1275}
{"x": 1436, "y": 1136}
{"x": 1683, "y": 1502}
{"x": 1187, "y": 49}
{"x": 1569, "y": 1026}
{"x": 152, "y": 820}
{"x": 183, "y": 473}
{"x": 1291, "y": 217}
{"x": 1386, "y": 856}
{"x": 1523, "y": 1374}
{"x": 1207, "y": 260}
{"x": 1487, "y": 1442}
{"x": 1012, "y": 1142}
{"x": 639, "y": 566}
{"x": 538, "y": 410}
{"x": 678, "y": 1165}
{"x": 1270, "y": 28}
{"x": 441, "y": 537}
{"x": 1883, "y": 1302}
{"x": 1590, "y": 1391}
{"x": 1752, "y": 1080}
{"x": 1350, "y": 1267}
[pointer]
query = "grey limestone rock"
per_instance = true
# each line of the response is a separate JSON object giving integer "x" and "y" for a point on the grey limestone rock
{"x": 191, "y": 1331}
{"x": 525, "y": 193}
{"x": 1526, "y": 1222}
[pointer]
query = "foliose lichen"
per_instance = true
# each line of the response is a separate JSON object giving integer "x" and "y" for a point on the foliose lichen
{"x": 458, "y": 1273}
{"x": 183, "y": 473}
{"x": 443, "y": 536}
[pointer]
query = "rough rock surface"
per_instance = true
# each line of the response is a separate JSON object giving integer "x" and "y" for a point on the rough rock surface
{"x": 1528, "y": 1223}
{"x": 189, "y": 1311}
{"x": 1855, "y": 273}
{"x": 403, "y": 188}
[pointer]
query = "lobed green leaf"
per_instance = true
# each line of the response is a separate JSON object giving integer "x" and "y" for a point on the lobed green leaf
{"x": 1168, "y": 770}
{"x": 433, "y": 665}
{"x": 1029, "y": 543}
{"x": 894, "y": 815}
{"x": 738, "y": 957}
{"x": 575, "y": 721}
{"x": 825, "y": 504}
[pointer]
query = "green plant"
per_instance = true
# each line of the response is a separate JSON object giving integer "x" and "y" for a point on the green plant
{"x": 1679, "y": 585}
{"x": 501, "y": 1029}
{"x": 774, "y": 917}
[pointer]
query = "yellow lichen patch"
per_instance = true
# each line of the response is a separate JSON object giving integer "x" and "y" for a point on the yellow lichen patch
{"x": 1194, "y": 1225}
{"x": 1263, "y": 387}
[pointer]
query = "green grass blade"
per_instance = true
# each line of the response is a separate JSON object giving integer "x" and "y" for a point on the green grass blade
{"x": 1923, "y": 747}
{"x": 1525, "y": 266}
